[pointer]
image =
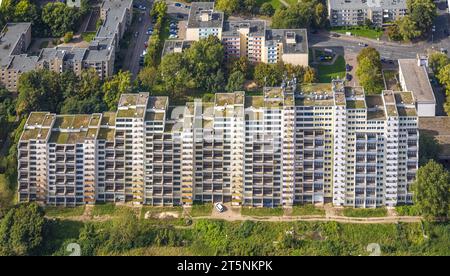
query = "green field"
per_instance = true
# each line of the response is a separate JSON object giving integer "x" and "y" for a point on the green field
{"x": 261, "y": 212}
{"x": 200, "y": 210}
{"x": 307, "y": 210}
{"x": 364, "y": 213}
{"x": 247, "y": 238}
{"x": 63, "y": 212}
{"x": 328, "y": 72}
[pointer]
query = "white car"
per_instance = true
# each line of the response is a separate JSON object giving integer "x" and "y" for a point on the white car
{"x": 219, "y": 207}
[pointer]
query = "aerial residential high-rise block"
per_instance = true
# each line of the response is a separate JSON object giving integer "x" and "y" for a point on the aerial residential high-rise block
{"x": 318, "y": 143}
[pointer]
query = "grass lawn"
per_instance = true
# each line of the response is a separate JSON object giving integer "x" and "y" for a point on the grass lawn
{"x": 407, "y": 210}
{"x": 361, "y": 31}
{"x": 365, "y": 213}
{"x": 108, "y": 209}
{"x": 328, "y": 72}
{"x": 307, "y": 210}
{"x": 64, "y": 212}
{"x": 200, "y": 210}
{"x": 262, "y": 212}
{"x": 88, "y": 36}
{"x": 6, "y": 195}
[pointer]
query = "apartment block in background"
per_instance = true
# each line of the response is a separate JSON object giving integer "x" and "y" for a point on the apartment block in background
{"x": 15, "y": 38}
{"x": 356, "y": 12}
{"x": 243, "y": 38}
{"x": 99, "y": 55}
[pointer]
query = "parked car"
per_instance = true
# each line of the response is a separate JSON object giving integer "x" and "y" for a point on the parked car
{"x": 172, "y": 36}
{"x": 349, "y": 77}
{"x": 362, "y": 44}
{"x": 348, "y": 67}
{"x": 219, "y": 207}
{"x": 443, "y": 50}
{"x": 335, "y": 35}
{"x": 178, "y": 5}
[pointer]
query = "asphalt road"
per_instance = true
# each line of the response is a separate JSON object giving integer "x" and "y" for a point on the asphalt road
{"x": 136, "y": 47}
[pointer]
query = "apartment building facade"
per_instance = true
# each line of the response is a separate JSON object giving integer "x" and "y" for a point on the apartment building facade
{"x": 319, "y": 144}
{"x": 100, "y": 55}
{"x": 243, "y": 38}
{"x": 356, "y": 12}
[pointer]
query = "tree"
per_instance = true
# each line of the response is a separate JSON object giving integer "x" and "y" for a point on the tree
{"x": 437, "y": 61}
{"x": 21, "y": 230}
{"x": 369, "y": 70}
{"x": 393, "y": 32}
{"x": 159, "y": 9}
{"x": 175, "y": 76}
{"x": 59, "y": 18}
{"x": 228, "y": 6}
{"x": 147, "y": 77}
{"x": 428, "y": 149}
{"x": 267, "y": 9}
{"x": 39, "y": 90}
{"x": 26, "y": 12}
{"x": 432, "y": 190}
{"x": 309, "y": 76}
{"x": 301, "y": 15}
{"x": 320, "y": 15}
{"x": 407, "y": 28}
{"x": 268, "y": 74}
{"x": 422, "y": 13}
{"x": 68, "y": 37}
{"x": 236, "y": 81}
{"x": 116, "y": 86}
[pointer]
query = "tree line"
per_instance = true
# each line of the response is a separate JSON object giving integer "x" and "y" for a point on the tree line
{"x": 416, "y": 24}
{"x": 54, "y": 19}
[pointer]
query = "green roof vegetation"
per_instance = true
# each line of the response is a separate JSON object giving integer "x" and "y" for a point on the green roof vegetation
{"x": 95, "y": 119}
{"x": 404, "y": 111}
{"x": 36, "y": 118}
{"x": 391, "y": 110}
{"x": 254, "y": 101}
{"x": 106, "y": 134}
{"x": 356, "y": 104}
{"x": 109, "y": 118}
{"x": 30, "y": 134}
{"x": 130, "y": 113}
{"x": 404, "y": 97}
{"x": 315, "y": 87}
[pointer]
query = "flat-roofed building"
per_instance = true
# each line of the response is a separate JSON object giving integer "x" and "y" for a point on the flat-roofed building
{"x": 356, "y": 12}
{"x": 15, "y": 39}
{"x": 100, "y": 55}
{"x": 413, "y": 76}
{"x": 243, "y": 38}
{"x": 204, "y": 21}
{"x": 316, "y": 144}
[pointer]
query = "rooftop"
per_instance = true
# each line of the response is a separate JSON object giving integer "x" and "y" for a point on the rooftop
{"x": 202, "y": 15}
{"x": 365, "y": 4}
{"x": 253, "y": 27}
{"x": 229, "y": 98}
{"x": 294, "y": 40}
{"x": 416, "y": 80}
{"x": 9, "y": 37}
{"x": 135, "y": 99}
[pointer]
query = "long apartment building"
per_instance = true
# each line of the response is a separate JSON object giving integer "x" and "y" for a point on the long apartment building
{"x": 320, "y": 144}
{"x": 15, "y": 39}
{"x": 356, "y": 12}
{"x": 249, "y": 38}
